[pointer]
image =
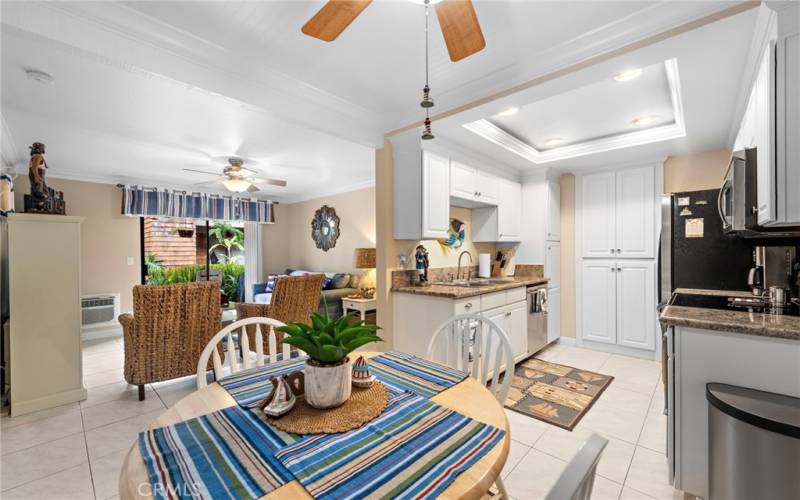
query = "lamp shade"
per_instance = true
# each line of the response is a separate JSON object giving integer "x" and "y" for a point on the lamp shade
{"x": 365, "y": 258}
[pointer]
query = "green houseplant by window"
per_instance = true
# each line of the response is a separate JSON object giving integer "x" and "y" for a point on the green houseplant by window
{"x": 328, "y": 343}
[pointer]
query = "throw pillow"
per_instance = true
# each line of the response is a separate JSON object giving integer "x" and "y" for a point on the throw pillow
{"x": 326, "y": 283}
{"x": 340, "y": 280}
{"x": 271, "y": 280}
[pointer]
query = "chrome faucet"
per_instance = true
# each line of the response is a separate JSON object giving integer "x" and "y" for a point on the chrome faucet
{"x": 458, "y": 271}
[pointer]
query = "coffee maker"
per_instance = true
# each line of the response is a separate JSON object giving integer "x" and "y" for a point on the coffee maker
{"x": 774, "y": 266}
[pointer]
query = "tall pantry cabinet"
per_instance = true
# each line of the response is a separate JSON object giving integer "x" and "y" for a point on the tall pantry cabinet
{"x": 618, "y": 224}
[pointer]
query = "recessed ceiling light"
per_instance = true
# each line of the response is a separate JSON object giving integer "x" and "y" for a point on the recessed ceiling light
{"x": 645, "y": 120}
{"x": 553, "y": 142}
{"x": 508, "y": 112}
{"x": 39, "y": 76}
{"x": 628, "y": 75}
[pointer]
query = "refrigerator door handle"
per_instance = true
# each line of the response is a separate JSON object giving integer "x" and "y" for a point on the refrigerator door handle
{"x": 720, "y": 209}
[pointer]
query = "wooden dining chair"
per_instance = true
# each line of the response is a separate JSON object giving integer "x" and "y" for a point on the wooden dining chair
{"x": 477, "y": 345}
{"x": 577, "y": 480}
{"x": 264, "y": 334}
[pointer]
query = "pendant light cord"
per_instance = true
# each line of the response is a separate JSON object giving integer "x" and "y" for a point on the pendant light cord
{"x": 427, "y": 2}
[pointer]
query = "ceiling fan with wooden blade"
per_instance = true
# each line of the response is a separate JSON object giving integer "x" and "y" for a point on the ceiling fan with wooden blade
{"x": 457, "y": 18}
{"x": 237, "y": 178}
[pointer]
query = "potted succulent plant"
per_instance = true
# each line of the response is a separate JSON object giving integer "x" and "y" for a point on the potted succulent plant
{"x": 327, "y": 343}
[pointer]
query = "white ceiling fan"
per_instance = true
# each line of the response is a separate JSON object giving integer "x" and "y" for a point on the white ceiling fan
{"x": 237, "y": 178}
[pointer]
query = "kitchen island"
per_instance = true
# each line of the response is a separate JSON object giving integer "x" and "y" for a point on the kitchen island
{"x": 741, "y": 348}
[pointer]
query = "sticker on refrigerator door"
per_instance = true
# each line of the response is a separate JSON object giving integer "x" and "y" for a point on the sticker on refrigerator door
{"x": 694, "y": 228}
{"x": 684, "y": 201}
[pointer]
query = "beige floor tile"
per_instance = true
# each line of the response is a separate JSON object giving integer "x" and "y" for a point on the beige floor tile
{"x": 578, "y": 357}
{"x": 74, "y": 483}
{"x": 103, "y": 378}
{"x": 533, "y": 477}
{"x": 173, "y": 391}
{"x": 605, "y": 489}
{"x": 649, "y": 474}
{"x": 615, "y": 422}
{"x": 118, "y": 436}
{"x": 105, "y": 474}
{"x": 102, "y": 345}
{"x": 113, "y": 392}
{"x": 654, "y": 432}
{"x": 525, "y": 429}
{"x": 120, "y": 409}
{"x": 43, "y": 460}
{"x": 7, "y": 422}
{"x": 631, "y": 494}
{"x": 518, "y": 450}
{"x": 563, "y": 444}
{"x": 634, "y": 374}
{"x": 103, "y": 361}
{"x": 41, "y": 431}
{"x": 549, "y": 352}
{"x": 625, "y": 399}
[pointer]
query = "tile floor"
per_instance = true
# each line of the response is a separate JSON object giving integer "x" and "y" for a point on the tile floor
{"x": 76, "y": 451}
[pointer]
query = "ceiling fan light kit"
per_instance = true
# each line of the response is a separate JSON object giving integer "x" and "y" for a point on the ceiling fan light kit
{"x": 236, "y": 185}
{"x": 236, "y": 178}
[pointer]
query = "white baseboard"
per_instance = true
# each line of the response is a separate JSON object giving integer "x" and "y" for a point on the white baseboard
{"x": 49, "y": 401}
{"x": 565, "y": 340}
{"x": 616, "y": 349}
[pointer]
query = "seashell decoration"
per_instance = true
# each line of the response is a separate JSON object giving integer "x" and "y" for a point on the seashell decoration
{"x": 362, "y": 375}
{"x": 281, "y": 400}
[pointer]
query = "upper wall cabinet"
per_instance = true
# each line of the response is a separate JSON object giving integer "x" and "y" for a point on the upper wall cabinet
{"x": 618, "y": 214}
{"x": 500, "y": 223}
{"x": 475, "y": 187}
{"x": 421, "y": 191}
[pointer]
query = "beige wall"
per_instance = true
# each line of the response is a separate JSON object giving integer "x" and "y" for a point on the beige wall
{"x": 567, "y": 182}
{"x": 695, "y": 172}
{"x": 107, "y": 237}
{"x": 288, "y": 243}
{"x": 441, "y": 256}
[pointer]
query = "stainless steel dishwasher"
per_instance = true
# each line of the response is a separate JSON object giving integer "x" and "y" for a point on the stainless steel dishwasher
{"x": 537, "y": 318}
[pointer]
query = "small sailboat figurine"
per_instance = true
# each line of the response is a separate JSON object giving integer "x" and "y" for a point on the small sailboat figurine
{"x": 281, "y": 400}
{"x": 362, "y": 376}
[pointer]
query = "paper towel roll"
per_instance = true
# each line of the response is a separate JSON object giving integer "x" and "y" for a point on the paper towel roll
{"x": 484, "y": 265}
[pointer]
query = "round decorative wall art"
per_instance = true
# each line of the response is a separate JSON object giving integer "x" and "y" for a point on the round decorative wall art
{"x": 325, "y": 228}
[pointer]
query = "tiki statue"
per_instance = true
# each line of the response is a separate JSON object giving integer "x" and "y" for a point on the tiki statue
{"x": 36, "y": 174}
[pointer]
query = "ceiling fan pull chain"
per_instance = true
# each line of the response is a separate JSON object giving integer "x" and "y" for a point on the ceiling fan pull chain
{"x": 427, "y": 102}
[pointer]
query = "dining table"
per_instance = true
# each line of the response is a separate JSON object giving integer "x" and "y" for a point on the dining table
{"x": 468, "y": 397}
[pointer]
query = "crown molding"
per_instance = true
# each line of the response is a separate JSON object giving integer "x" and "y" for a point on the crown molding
{"x": 122, "y": 37}
{"x": 491, "y": 132}
{"x": 8, "y": 151}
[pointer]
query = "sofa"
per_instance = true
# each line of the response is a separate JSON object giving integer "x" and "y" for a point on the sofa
{"x": 334, "y": 288}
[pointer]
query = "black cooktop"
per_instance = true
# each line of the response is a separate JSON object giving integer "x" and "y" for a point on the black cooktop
{"x": 731, "y": 304}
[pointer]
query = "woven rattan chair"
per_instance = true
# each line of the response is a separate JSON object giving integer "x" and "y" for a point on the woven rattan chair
{"x": 294, "y": 298}
{"x": 170, "y": 327}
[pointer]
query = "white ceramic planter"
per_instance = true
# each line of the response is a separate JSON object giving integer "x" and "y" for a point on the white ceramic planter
{"x": 327, "y": 386}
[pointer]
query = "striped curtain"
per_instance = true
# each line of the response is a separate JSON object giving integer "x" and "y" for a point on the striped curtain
{"x": 151, "y": 202}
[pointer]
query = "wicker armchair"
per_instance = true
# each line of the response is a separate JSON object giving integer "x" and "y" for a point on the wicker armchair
{"x": 170, "y": 327}
{"x": 294, "y": 298}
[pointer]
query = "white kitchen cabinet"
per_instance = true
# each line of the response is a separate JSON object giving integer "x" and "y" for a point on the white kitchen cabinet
{"x": 435, "y": 198}
{"x": 787, "y": 131}
{"x": 514, "y": 322}
{"x": 636, "y": 303}
{"x": 553, "y": 315}
{"x": 501, "y": 223}
{"x": 764, "y": 123}
{"x": 597, "y": 214}
{"x": 463, "y": 181}
{"x": 634, "y": 217}
{"x": 598, "y": 298}
{"x": 618, "y": 213}
{"x": 552, "y": 263}
{"x": 488, "y": 186}
{"x": 553, "y": 211}
{"x": 508, "y": 210}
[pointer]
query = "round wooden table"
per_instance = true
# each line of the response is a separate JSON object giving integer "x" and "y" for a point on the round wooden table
{"x": 468, "y": 397}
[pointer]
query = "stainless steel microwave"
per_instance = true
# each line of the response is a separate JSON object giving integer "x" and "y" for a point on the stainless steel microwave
{"x": 736, "y": 200}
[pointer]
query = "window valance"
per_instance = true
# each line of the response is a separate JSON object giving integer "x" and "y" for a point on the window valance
{"x": 152, "y": 202}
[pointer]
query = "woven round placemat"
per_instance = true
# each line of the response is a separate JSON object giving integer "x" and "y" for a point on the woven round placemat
{"x": 363, "y": 406}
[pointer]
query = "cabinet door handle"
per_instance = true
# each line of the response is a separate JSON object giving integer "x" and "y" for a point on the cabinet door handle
{"x": 619, "y": 251}
{"x": 508, "y": 314}
{"x": 619, "y": 269}
{"x": 613, "y": 269}
{"x": 468, "y": 305}
{"x": 612, "y": 250}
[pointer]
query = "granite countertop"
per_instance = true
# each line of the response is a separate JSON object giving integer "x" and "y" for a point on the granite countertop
{"x": 749, "y": 323}
{"x": 720, "y": 293}
{"x": 460, "y": 292}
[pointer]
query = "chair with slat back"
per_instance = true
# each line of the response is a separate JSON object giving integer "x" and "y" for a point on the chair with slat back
{"x": 478, "y": 346}
{"x": 264, "y": 334}
{"x": 577, "y": 480}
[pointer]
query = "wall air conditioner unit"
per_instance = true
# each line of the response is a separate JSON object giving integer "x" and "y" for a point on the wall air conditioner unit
{"x": 99, "y": 314}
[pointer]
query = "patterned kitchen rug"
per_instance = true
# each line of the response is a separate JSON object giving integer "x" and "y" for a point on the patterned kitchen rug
{"x": 557, "y": 394}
